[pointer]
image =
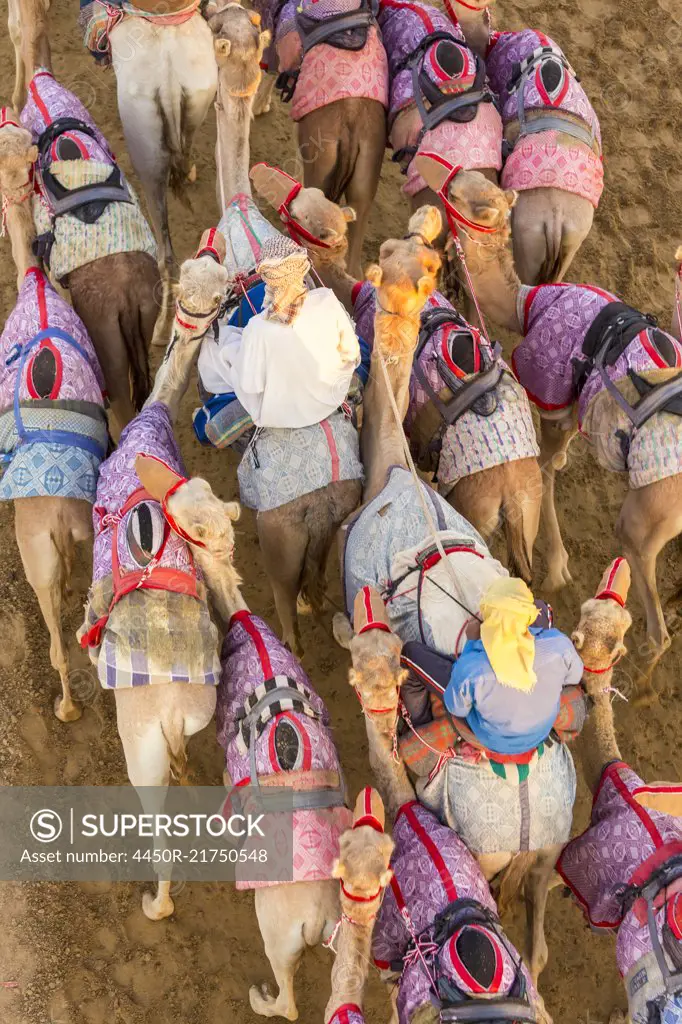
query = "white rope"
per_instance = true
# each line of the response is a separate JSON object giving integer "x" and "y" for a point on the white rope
{"x": 218, "y": 109}
{"x": 415, "y": 477}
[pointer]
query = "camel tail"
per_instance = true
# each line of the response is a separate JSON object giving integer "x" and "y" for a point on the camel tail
{"x": 174, "y": 735}
{"x": 513, "y": 878}
{"x": 313, "y": 579}
{"x": 553, "y": 267}
{"x": 171, "y": 110}
{"x": 138, "y": 355}
{"x": 518, "y": 557}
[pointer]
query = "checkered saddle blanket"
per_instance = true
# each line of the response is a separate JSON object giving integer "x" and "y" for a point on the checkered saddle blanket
{"x": 53, "y": 432}
{"x": 635, "y": 830}
{"x": 271, "y": 723}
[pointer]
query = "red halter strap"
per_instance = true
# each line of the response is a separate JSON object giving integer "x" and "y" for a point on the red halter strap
{"x": 5, "y": 120}
{"x": 601, "y": 671}
{"x": 175, "y": 527}
{"x": 360, "y": 899}
{"x": 450, "y": 210}
{"x": 367, "y": 817}
{"x": 294, "y": 229}
{"x": 373, "y": 711}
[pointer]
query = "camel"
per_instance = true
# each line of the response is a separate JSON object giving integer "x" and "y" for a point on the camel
{"x": 649, "y": 866}
{"x": 239, "y": 44}
{"x": 27, "y": 24}
{"x": 162, "y": 55}
{"x": 50, "y": 465}
{"x": 114, "y": 295}
{"x": 650, "y": 515}
{"x": 475, "y": 20}
{"x": 154, "y": 721}
{"x": 363, "y": 871}
{"x": 339, "y": 105}
{"x": 508, "y": 492}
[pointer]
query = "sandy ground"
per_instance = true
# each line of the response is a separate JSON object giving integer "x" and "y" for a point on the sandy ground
{"x": 85, "y": 954}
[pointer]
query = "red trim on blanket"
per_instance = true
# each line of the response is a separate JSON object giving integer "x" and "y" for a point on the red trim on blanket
{"x": 473, "y": 984}
{"x": 435, "y": 558}
{"x": 333, "y": 450}
{"x": 40, "y": 285}
{"x": 401, "y": 6}
{"x": 528, "y": 302}
{"x": 534, "y": 398}
{"x": 76, "y": 141}
{"x": 433, "y": 852}
{"x": 645, "y": 870}
{"x": 641, "y": 813}
{"x": 341, "y": 1013}
{"x": 246, "y": 619}
{"x": 59, "y": 374}
{"x": 355, "y": 291}
{"x": 37, "y": 99}
{"x": 543, "y": 92}
{"x": 307, "y": 761}
{"x": 654, "y": 354}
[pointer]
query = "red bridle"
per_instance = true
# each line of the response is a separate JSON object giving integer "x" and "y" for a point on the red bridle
{"x": 175, "y": 527}
{"x": 450, "y": 210}
{"x": 294, "y": 229}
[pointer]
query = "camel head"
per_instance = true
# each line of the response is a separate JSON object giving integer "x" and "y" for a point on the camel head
{"x": 364, "y": 855}
{"x": 203, "y": 279}
{"x": 376, "y": 674}
{"x": 310, "y": 218}
{"x": 192, "y": 509}
{"x": 604, "y": 621}
{"x": 239, "y": 44}
{"x": 17, "y": 157}
{"x": 470, "y": 200}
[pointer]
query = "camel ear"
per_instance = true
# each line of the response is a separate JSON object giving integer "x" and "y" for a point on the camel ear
{"x": 578, "y": 638}
{"x": 338, "y": 869}
{"x": 342, "y": 630}
{"x": 434, "y": 173}
{"x": 374, "y": 274}
{"x": 209, "y": 10}
{"x": 271, "y": 183}
{"x": 385, "y": 878}
{"x": 511, "y": 196}
{"x": 425, "y": 286}
{"x": 254, "y": 18}
{"x": 349, "y": 213}
{"x": 32, "y": 155}
{"x": 155, "y": 476}
{"x": 222, "y": 47}
{"x": 678, "y": 254}
{"x": 263, "y": 40}
{"x": 233, "y": 509}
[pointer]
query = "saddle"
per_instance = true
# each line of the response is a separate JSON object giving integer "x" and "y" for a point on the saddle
{"x": 668, "y": 949}
{"x": 470, "y": 375}
{"x": 435, "y": 103}
{"x": 553, "y": 67}
{"x": 608, "y": 337}
{"x": 86, "y": 202}
{"x": 346, "y": 31}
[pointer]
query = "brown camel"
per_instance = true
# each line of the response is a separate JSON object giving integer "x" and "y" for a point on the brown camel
{"x": 651, "y": 515}
{"x": 341, "y": 144}
{"x": 363, "y": 871}
{"x": 509, "y": 493}
{"x": 27, "y": 23}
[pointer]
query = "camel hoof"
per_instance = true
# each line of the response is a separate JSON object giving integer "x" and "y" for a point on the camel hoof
{"x": 155, "y": 910}
{"x": 557, "y": 580}
{"x": 303, "y": 607}
{"x": 263, "y": 110}
{"x": 192, "y": 176}
{"x": 66, "y": 710}
{"x": 266, "y": 1005}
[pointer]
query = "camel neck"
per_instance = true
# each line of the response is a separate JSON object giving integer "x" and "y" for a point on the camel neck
{"x": 173, "y": 375}
{"x": 390, "y": 775}
{"x": 599, "y": 742}
{"x": 223, "y": 583}
{"x": 381, "y": 438}
{"x": 495, "y": 281}
{"x": 351, "y": 965}
{"x": 333, "y": 274}
{"x": 21, "y": 230}
{"x": 476, "y": 28}
{"x": 232, "y": 144}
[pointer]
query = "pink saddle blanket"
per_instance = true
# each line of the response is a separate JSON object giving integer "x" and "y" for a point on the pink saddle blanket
{"x": 543, "y": 161}
{"x": 329, "y": 73}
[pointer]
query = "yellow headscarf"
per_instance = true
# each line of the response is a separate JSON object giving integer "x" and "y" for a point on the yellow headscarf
{"x": 507, "y": 610}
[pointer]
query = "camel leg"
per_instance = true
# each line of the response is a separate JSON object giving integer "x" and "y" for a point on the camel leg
{"x": 14, "y": 26}
{"x": 553, "y": 453}
{"x": 481, "y": 505}
{"x": 536, "y": 890}
{"x": 290, "y": 918}
{"x": 650, "y": 517}
{"x": 263, "y": 100}
{"x": 44, "y": 534}
{"x": 548, "y": 227}
{"x": 284, "y": 544}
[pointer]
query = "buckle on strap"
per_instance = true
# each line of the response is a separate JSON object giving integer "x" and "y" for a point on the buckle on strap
{"x": 476, "y": 1010}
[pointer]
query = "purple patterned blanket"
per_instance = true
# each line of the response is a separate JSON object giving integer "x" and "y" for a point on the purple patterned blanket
{"x": 53, "y": 432}
{"x": 432, "y": 868}
{"x": 146, "y": 619}
{"x": 270, "y": 722}
{"x": 555, "y": 319}
{"x": 631, "y": 833}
